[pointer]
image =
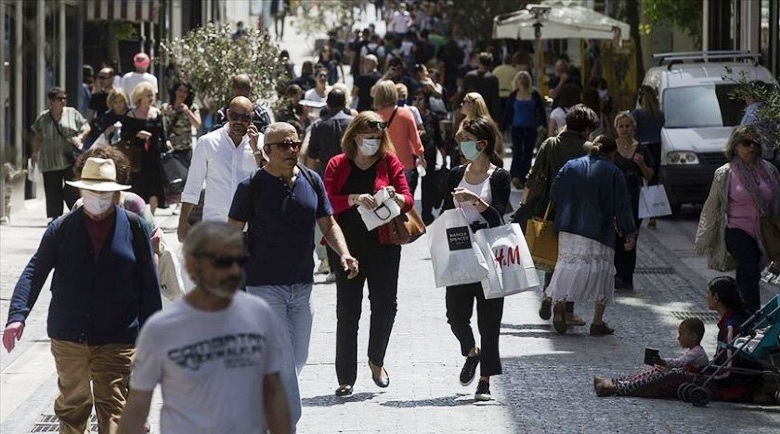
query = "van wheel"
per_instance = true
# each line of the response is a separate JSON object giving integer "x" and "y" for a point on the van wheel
{"x": 676, "y": 208}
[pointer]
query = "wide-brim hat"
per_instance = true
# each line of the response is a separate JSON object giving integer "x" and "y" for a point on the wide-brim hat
{"x": 98, "y": 174}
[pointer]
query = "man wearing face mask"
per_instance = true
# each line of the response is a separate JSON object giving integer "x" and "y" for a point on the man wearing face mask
{"x": 226, "y": 357}
{"x": 223, "y": 158}
{"x": 281, "y": 203}
{"x": 104, "y": 289}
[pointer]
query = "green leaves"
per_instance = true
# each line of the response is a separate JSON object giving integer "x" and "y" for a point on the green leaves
{"x": 209, "y": 57}
{"x": 768, "y": 95}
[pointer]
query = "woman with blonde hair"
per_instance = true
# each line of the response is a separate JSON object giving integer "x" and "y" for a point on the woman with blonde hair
{"x": 402, "y": 129}
{"x": 524, "y": 113}
{"x": 636, "y": 163}
{"x": 473, "y": 106}
{"x": 143, "y": 131}
{"x": 118, "y": 104}
{"x": 743, "y": 190}
{"x": 368, "y": 165}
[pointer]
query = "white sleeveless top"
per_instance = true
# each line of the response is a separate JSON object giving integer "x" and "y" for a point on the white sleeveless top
{"x": 483, "y": 191}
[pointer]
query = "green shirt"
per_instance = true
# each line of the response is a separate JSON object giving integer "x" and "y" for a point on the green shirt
{"x": 55, "y": 146}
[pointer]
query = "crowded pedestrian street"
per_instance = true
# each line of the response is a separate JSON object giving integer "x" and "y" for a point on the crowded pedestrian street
{"x": 299, "y": 176}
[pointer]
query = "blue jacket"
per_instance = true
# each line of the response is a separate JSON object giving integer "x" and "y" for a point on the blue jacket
{"x": 97, "y": 302}
{"x": 591, "y": 198}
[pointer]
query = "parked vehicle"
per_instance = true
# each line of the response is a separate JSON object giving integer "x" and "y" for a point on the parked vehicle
{"x": 700, "y": 115}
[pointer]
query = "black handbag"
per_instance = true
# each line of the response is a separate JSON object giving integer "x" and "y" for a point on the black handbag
{"x": 175, "y": 172}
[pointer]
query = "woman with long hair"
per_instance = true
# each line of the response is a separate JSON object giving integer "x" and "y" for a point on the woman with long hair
{"x": 524, "y": 113}
{"x": 743, "y": 189}
{"x": 368, "y": 165}
{"x": 591, "y": 200}
{"x": 474, "y": 106}
{"x": 180, "y": 116}
{"x": 480, "y": 188}
{"x": 649, "y": 122}
{"x": 636, "y": 163}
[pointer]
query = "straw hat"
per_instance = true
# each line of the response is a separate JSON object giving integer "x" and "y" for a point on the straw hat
{"x": 98, "y": 174}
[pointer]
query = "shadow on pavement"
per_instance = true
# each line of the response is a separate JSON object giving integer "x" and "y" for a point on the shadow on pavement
{"x": 444, "y": 401}
{"x": 331, "y": 400}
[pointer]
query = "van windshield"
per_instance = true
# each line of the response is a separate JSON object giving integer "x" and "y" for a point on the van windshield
{"x": 702, "y": 106}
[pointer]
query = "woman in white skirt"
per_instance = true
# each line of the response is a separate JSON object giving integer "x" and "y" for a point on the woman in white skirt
{"x": 591, "y": 200}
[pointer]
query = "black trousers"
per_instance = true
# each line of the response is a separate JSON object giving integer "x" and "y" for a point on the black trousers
{"x": 431, "y": 197}
{"x": 523, "y": 144}
{"x": 745, "y": 250}
{"x": 379, "y": 266}
{"x": 460, "y": 307}
{"x": 625, "y": 260}
{"x": 57, "y": 191}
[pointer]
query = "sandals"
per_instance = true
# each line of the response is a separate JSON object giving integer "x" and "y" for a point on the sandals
{"x": 344, "y": 390}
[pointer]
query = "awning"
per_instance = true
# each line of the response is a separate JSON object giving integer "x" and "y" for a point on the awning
{"x": 562, "y": 22}
{"x": 123, "y": 10}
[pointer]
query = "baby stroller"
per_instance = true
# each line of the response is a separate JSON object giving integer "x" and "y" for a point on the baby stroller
{"x": 757, "y": 343}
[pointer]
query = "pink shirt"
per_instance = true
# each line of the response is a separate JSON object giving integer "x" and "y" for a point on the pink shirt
{"x": 403, "y": 134}
{"x": 741, "y": 212}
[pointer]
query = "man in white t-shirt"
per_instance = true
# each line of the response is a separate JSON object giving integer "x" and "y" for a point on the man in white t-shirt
{"x": 141, "y": 63}
{"x": 216, "y": 353}
{"x": 400, "y": 21}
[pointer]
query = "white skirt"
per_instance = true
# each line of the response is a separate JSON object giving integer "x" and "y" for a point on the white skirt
{"x": 585, "y": 270}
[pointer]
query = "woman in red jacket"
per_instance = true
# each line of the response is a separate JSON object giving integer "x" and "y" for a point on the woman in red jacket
{"x": 367, "y": 165}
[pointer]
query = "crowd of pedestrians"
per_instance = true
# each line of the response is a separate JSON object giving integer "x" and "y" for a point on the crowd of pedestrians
{"x": 296, "y": 178}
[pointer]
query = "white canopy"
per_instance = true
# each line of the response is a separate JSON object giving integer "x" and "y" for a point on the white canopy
{"x": 562, "y": 22}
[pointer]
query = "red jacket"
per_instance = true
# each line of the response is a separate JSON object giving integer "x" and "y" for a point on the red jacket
{"x": 338, "y": 170}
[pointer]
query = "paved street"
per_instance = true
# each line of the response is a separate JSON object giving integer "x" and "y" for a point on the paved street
{"x": 547, "y": 382}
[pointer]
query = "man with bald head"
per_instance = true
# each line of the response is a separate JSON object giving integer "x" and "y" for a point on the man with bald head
{"x": 222, "y": 158}
{"x": 281, "y": 203}
{"x": 242, "y": 86}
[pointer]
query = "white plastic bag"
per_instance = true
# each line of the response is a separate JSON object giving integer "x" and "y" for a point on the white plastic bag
{"x": 653, "y": 202}
{"x": 456, "y": 258}
{"x": 510, "y": 266}
{"x": 100, "y": 142}
{"x": 34, "y": 173}
{"x": 171, "y": 276}
{"x": 386, "y": 210}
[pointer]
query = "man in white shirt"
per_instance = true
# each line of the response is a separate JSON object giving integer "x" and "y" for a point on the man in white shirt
{"x": 220, "y": 371}
{"x": 222, "y": 158}
{"x": 400, "y": 21}
{"x": 141, "y": 62}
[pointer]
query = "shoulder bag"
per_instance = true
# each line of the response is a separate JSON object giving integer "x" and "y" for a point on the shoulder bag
{"x": 407, "y": 227}
{"x": 74, "y": 152}
{"x": 542, "y": 241}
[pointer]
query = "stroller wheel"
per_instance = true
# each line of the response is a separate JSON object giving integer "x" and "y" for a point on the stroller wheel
{"x": 681, "y": 391}
{"x": 777, "y": 397}
{"x": 699, "y": 396}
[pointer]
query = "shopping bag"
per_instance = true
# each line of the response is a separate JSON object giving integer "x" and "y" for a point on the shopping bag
{"x": 171, "y": 276}
{"x": 456, "y": 258}
{"x": 386, "y": 210}
{"x": 653, "y": 202}
{"x": 510, "y": 267}
{"x": 542, "y": 241}
{"x": 34, "y": 173}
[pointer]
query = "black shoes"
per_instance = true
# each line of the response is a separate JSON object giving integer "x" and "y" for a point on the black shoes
{"x": 344, "y": 390}
{"x": 379, "y": 380}
{"x": 545, "y": 310}
{"x": 469, "y": 369}
{"x": 483, "y": 391}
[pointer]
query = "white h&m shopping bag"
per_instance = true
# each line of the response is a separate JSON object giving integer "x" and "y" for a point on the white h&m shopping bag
{"x": 510, "y": 266}
{"x": 456, "y": 258}
{"x": 653, "y": 202}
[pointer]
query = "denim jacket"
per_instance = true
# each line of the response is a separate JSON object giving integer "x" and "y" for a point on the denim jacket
{"x": 591, "y": 200}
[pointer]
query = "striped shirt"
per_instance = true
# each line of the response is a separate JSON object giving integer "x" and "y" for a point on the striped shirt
{"x": 55, "y": 146}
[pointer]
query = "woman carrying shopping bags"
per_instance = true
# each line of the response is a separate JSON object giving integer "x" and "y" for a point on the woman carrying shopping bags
{"x": 591, "y": 200}
{"x": 481, "y": 190}
{"x": 368, "y": 165}
{"x": 743, "y": 189}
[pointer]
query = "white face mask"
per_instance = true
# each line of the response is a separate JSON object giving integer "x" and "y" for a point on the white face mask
{"x": 369, "y": 147}
{"x": 97, "y": 203}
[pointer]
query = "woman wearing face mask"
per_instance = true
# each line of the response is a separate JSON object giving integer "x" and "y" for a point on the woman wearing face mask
{"x": 368, "y": 164}
{"x": 481, "y": 189}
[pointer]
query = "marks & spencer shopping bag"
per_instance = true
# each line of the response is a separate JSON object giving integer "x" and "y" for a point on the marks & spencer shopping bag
{"x": 456, "y": 258}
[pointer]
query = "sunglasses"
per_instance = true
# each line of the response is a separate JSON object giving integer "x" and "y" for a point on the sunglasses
{"x": 377, "y": 125}
{"x": 241, "y": 117}
{"x": 749, "y": 143}
{"x": 287, "y": 144}
{"x": 224, "y": 261}
{"x": 61, "y": 98}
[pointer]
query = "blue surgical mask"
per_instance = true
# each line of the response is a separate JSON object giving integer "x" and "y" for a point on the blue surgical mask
{"x": 469, "y": 149}
{"x": 369, "y": 147}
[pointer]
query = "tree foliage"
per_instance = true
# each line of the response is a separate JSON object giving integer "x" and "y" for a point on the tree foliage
{"x": 686, "y": 14}
{"x": 209, "y": 58}
{"x": 474, "y": 18}
{"x": 318, "y": 18}
{"x": 768, "y": 95}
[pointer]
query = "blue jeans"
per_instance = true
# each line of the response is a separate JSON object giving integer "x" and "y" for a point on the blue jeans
{"x": 292, "y": 305}
{"x": 523, "y": 144}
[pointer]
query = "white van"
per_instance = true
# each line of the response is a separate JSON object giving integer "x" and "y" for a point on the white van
{"x": 700, "y": 116}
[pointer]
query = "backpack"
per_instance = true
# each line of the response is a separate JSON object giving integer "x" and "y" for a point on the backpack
{"x": 380, "y": 59}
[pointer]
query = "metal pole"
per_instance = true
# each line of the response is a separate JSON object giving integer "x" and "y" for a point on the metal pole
{"x": 61, "y": 48}
{"x": 40, "y": 58}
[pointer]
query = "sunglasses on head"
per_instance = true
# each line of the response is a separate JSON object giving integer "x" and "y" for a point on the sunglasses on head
{"x": 241, "y": 117}
{"x": 224, "y": 261}
{"x": 287, "y": 144}
{"x": 377, "y": 125}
